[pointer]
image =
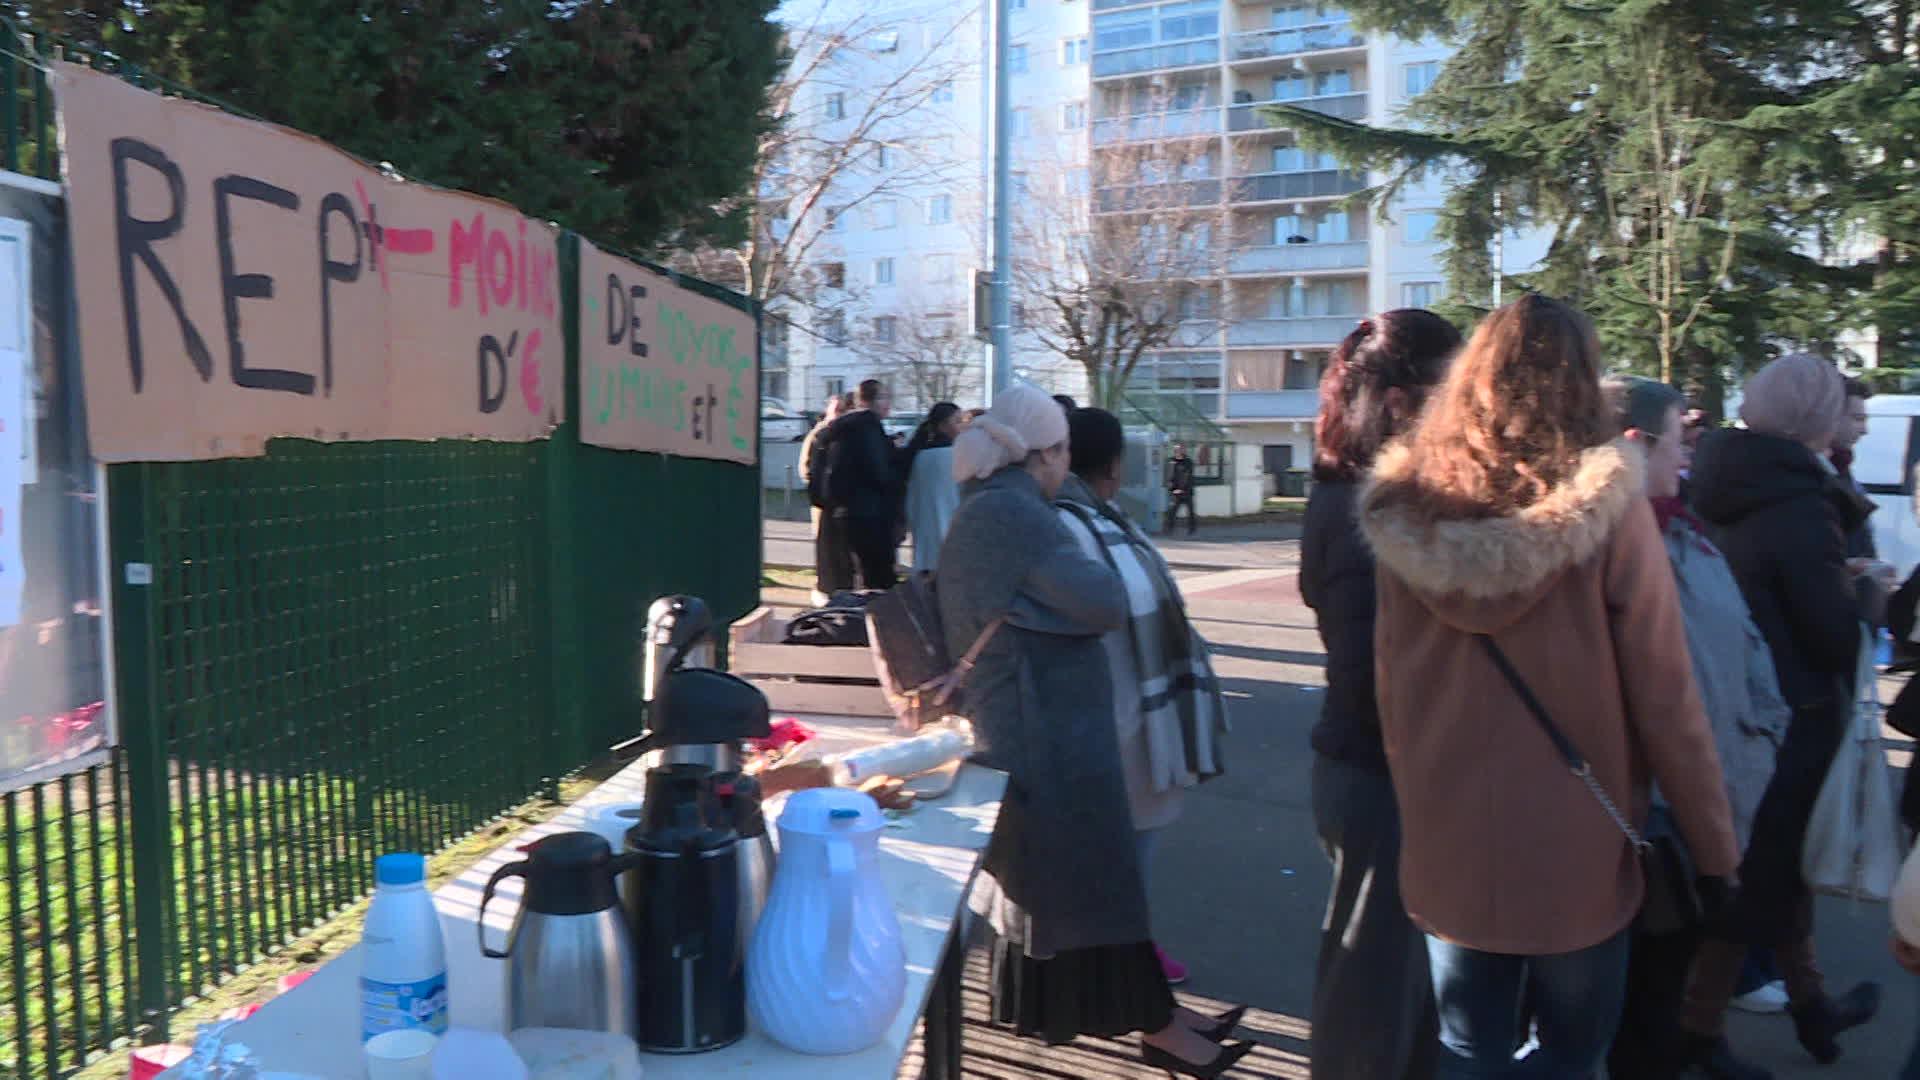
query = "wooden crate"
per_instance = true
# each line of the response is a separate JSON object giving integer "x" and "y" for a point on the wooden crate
{"x": 792, "y": 675}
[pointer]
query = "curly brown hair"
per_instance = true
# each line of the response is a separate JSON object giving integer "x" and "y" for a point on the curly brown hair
{"x": 1519, "y": 406}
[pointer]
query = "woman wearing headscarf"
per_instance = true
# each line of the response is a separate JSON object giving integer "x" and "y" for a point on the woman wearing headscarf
{"x": 1777, "y": 508}
{"x": 1373, "y": 1014}
{"x": 1528, "y": 622}
{"x": 932, "y": 493}
{"x": 1167, "y": 707}
{"x": 1060, "y": 883}
{"x": 1733, "y": 668}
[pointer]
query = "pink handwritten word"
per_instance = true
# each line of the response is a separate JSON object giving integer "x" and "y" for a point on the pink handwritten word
{"x": 530, "y": 374}
{"x": 505, "y": 274}
{"x": 401, "y": 241}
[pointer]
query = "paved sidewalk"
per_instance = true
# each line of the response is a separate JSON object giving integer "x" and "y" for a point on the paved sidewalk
{"x": 1233, "y": 545}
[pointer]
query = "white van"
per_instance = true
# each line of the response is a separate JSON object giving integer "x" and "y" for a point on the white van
{"x": 1883, "y": 463}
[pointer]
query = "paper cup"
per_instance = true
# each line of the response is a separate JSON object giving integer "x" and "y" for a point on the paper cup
{"x": 401, "y": 1055}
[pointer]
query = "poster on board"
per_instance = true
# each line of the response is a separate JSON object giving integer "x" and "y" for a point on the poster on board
{"x": 239, "y": 282}
{"x": 664, "y": 367}
{"x": 54, "y": 716}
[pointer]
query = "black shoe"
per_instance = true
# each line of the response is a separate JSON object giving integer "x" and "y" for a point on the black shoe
{"x": 1715, "y": 1059}
{"x": 1818, "y": 1023}
{"x": 1223, "y": 1024}
{"x": 1175, "y": 1065}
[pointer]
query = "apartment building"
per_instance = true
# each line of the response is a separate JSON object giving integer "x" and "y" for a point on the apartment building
{"x": 1295, "y": 269}
{"x": 904, "y": 232}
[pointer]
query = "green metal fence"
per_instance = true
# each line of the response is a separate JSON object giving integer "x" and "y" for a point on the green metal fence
{"x": 342, "y": 649}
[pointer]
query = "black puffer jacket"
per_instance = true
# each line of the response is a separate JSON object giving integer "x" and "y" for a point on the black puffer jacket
{"x": 1336, "y": 581}
{"x": 1782, "y": 517}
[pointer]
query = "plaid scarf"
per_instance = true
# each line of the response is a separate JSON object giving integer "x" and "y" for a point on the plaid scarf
{"x": 1181, "y": 706}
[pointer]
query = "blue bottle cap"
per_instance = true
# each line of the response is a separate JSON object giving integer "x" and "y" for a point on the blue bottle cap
{"x": 404, "y": 868}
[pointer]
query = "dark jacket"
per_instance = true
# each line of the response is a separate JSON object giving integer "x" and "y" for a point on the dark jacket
{"x": 1180, "y": 475}
{"x": 1336, "y": 580}
{"x": 1860, "y": 544}
{"x": 1781, "y": 516}
{"x": 865, "y": 483}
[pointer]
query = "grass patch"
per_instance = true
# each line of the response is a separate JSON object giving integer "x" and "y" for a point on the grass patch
{"x": 779, "y": 577}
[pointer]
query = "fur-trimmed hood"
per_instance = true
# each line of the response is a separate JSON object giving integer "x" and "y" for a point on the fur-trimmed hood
{"x": 1482, "y": 573}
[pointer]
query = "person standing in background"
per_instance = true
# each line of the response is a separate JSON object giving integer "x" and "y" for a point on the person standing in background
{"x": 1733, "y": 668}
{"x": 1775, "y": 506}
{"x": 832, "y": 561}
{"x": 1861, "y": 553}
{"x": 932, "y": 493}
{"x": 1180, "y": 490}
{"x": 1373, "y": 1014}
{"x": 865, "y": 486}
{"x": 1167, "y": 705}
{"x": 1523, "y": 588}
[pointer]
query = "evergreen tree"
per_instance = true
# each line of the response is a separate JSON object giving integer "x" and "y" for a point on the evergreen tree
{"x": 629, "y": 120}
{"x": 1624, "y": 129}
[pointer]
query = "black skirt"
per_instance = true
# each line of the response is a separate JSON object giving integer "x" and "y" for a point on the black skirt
{"x": 1108, "y": 991}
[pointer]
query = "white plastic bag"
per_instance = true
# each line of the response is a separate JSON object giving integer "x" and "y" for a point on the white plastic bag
{"x": 1853, "y": 838}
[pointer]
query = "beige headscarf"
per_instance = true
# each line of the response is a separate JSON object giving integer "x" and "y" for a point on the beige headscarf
{"x": 1799, "y": 397}
{"x": 1024, "y": 418}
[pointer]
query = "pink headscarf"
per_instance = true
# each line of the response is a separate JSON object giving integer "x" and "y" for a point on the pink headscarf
{"x": 1799, "y": 397}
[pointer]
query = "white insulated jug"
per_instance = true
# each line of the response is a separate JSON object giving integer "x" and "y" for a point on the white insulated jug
{"x": 826, "y": 972}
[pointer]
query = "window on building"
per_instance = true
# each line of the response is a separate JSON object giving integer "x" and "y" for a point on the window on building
{"x": 1420, "y": 294}
{"x": 834, "y": 275}
{"x": 1016, "y": 5}
{"x": 1289, "y": 229}
{"x": 1073, "y": 51}
{"x": 940, "y": 210}
{"x": 1073, "y": 115}
{"x": 1076, "y": 181}
{"x": 1333, "y": 228}
{"x": 886, "y": 41}
{"x": 836, "y": 106}
{"x": 1017, "y": 185}
{"x": 883, "y": 214}
{"x": 939, "y": 269}
{"x": 834, "y": 387}
{"x": 1292, "y": 87}
{"x": 1422, "y": 226}
{"x": 885, "y": 329}
{"x": 1017, "y": 59}
{"x": 883, "y": 271}
{"x": 882, "y": 156}
{"x": 836, "y": 218}
{"x": 939, "y": 327}
{"x": 1193, "y": 19}
{"x": 833, "y": 327}
{"x": 1187, "y": 96}
{"x": 1306, "y": 14}
{"x": 1022, "y": 123}
{"x": 1421, "y": 77}
{"x": 1337, "y": 81}
{"x": 942, "y": 94}
{"x": 1123, "y": 30}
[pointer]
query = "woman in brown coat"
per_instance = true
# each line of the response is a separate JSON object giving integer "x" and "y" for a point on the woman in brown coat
{"x": 1509, "y": 516}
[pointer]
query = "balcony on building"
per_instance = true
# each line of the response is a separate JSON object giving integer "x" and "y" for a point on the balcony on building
{"x": 1248, "y": 115}
{"x": 1319, "y": 330}
{"x": 1274, "y": 384}
{"x": 1203, "y": 52}
{"x": 1146, "y": 198}
{"x": 1298, "y": 258}
{"x": 1280, "y": 186}
{"x": 1280, "y": 45}
{"x": 1152, "y": 126}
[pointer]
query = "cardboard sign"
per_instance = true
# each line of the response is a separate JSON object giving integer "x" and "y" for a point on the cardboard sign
{"x": 239, "y": 282}
{"x": 664, "y": 368}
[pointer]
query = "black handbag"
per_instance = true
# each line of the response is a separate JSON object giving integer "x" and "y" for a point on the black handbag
{"x": 1673, "y": 902}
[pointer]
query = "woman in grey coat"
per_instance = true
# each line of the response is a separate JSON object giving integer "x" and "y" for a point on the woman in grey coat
{"x": 1060, "y": 883}
{"x": 1734, "y": 670}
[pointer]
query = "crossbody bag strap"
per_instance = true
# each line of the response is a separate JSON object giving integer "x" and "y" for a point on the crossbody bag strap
{"x": 1576, "y": 764}
{"x": 965, "y": 665}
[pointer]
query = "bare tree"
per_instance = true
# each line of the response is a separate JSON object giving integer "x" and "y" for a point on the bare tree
{"x": 1111, "y": 262}
{"x": 850, "y": 126}
{"x": 929, "y": 355}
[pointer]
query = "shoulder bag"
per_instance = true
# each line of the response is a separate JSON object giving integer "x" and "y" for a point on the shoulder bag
{"x": 1673, "y": 902}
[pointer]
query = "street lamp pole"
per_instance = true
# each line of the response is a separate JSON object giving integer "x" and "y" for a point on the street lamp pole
{"x": 1001, "y": 309}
